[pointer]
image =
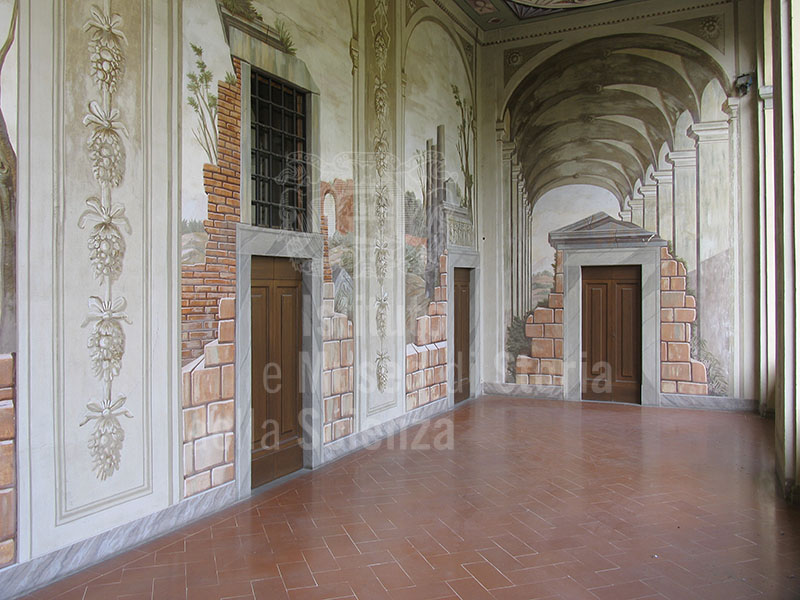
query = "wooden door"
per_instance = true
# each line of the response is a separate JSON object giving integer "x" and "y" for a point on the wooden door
{"x": 276, "y": 308}
{"x": 612, "y": 333}
{"x": 461, "y": 323}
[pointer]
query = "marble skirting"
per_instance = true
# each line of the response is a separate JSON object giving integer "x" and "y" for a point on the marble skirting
{"x": 356, "y": 441}
{"x": 543, "y": 392}
{"x": 708, "y": 402}
{"x": 22, "y": 578}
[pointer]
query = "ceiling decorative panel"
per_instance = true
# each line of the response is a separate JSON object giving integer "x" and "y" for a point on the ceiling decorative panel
{"x": 561, "y": 3}
{"x": 494, "y": 14}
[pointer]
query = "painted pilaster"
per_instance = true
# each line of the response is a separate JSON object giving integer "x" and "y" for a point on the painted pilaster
{"x": 768, "y": 307}
{"x": 637, "y": 211}
{"x": 513, "y": 225}
{"x": 379, "y": 214}
{"x": 666, "y": 213}
{"x": 684, "y": 189}
{"x": 78, "y": 482}
{"x": 650, "y": 198}
{"x": 503, "y": 276}
{"x": 715, "y": 254}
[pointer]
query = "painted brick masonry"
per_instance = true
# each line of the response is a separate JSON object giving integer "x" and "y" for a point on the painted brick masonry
{"x": 545, "y": 329}
{"x": 204, "y": 285}
{"x": 208, "y": 309}
{"x": 338, "y": 348}
{"x": 208, "y": 390}
{"x": 680, "y": 373}
{"x": 8, "y": 458}
{"x": 426, "y": 360}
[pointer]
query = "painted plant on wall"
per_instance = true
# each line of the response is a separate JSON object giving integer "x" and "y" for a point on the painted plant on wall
{"x": 204, "y": 103}
{"x": 8, "y": 216}
{"x": 242, "y": 8}
{"x": 106, "y": 239}
{"x": 467, "y": 140}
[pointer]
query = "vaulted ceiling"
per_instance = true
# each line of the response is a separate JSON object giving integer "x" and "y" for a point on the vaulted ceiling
{"x": 599, "y": 112}
{"x": 495, "y": 14}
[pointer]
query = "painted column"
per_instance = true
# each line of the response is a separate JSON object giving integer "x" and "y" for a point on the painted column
{"x": 514, "y": 229}
{"x": 716, "y": 231}
{"x": 522, "y": 246}
{"x": 637, "y": 211}
{"x": 768, "y": 325}
{"x": 684, "y": 202}
{"x": 666, "y": 213}
{"x": 508, "y": 149}
{"x": 528, "y": 251}
{"x": 650, "y": 196}
{"x": 625, "y": 213}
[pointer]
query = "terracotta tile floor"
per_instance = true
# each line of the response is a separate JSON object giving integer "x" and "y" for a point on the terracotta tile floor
{"x": 536, "y": 499}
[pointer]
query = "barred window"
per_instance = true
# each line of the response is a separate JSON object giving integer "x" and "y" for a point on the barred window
{"x": 278, "y": 130}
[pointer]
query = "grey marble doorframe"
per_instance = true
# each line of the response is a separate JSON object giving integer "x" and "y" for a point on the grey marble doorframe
{"x": 466, "y": 258}
{"x": 650, "y": 260}
{"x": 258, "y": 241}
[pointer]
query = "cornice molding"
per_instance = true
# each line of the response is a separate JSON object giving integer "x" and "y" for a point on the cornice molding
{"x": 619, "y": 21}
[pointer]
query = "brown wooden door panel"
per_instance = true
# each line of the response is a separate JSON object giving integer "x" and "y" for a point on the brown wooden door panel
{"x": 276, "y": 291}
{"x": 628, "y": 323}
{"x": 259, "y": 310}
{"x": 596, "y": 298}
{"x": 289, "y": 353}
{"x": 612, "y": 333}
{"x": 461, "y": 324}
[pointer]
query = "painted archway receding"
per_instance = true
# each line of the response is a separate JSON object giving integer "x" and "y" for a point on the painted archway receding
{"x": 601, "y": 112}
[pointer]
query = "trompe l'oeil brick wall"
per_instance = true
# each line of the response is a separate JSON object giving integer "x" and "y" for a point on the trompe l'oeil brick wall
{"x": 545, "y": 329}
{"x": 208, "y": 314}
{"x": 426, "y": 359}
{"x": 204, "y": 285}
{"x": 8, "y": 460}
{"x": 680, "y": 373}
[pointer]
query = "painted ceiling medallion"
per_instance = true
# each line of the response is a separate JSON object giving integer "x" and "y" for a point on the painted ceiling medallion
{"x": 483, "y": 7}
{"x": 558, "y": 4}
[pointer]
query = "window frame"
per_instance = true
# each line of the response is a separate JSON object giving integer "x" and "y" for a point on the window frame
{"x": 274, "y": 202}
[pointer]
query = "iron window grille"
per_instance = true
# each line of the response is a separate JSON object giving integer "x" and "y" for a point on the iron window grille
{"x": 279, "y": 162}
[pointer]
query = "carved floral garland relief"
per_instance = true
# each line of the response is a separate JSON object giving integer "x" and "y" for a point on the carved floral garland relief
{"x": 382, "y": 43}
{"x": 106, "y": 242}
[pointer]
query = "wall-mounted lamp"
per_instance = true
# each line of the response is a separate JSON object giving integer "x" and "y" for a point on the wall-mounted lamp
{"x": 743, "y": 83}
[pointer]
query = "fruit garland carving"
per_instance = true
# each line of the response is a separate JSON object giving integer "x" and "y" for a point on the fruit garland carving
{"x": 382, "y": 43}
{"x": 106, "y": 242}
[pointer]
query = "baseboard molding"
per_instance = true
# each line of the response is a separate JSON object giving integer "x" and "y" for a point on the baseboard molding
{"x": 22, "y": 578}
{"x": 543, "y": 392}
{"x": 356, "y": 441}
{"x": 708, "y": 402}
